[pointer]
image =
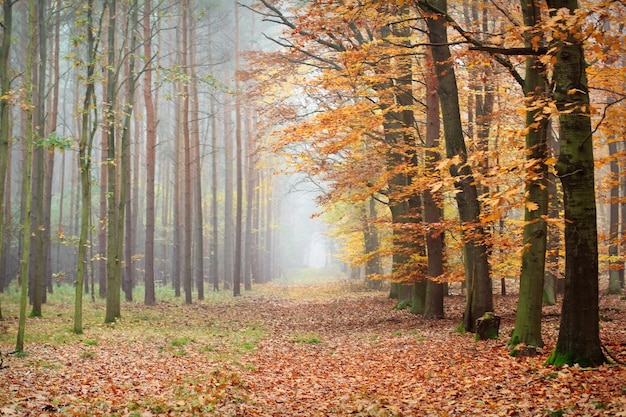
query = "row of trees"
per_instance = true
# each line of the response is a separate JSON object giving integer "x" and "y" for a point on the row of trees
{"x": 128, "y": 152}
{"x": 508, "y": 82}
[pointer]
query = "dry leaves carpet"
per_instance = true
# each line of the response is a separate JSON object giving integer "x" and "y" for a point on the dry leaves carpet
{"x": 309, "y": 351}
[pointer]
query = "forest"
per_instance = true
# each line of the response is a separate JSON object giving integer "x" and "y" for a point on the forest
{"x": 312, "y": 207}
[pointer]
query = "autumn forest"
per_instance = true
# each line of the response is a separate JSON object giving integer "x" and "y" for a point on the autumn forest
{"x": 312, "y": 207}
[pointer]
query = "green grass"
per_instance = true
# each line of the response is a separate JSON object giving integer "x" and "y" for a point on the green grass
{"x": 307, "y": 338}
{"x": 170, "y": 322}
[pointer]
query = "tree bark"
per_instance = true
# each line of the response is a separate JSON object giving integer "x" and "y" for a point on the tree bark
{"x": 238, "y": 258}
{"x": 479, "y": 298}
{"x": 151, "y": 124}
{"x": 188, "y": 219}
{"x": 114, "y": 250}
{"x": 432, "y": 211}
{"x": 5, "y": 125}
{"x": 84, "y": 162}
{"x": 579, "y": 332}
{"x": 528, "y": 317}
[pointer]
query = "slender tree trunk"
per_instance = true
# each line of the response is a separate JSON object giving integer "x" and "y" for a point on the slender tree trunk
{"x": 373, "y": 267}
{"x": 197, "y": 168}
{"x": 5, "y": 125}
{"x": 238, "y": 258}
{"x": 527, "y": 329}
{"x": 37, "y": 258}
{"x": 188, "y": 220}
{"x": 127, "y": 238}
{"x": 84, "y": 161}
{"x": 149, "y": 296}
{"x": 479, "y": 298}
{"x": 115, "y": 196}
{"x": 615, "y": 266}
{"x": 433, "y": 214}
{"x": 26, "y": 182}
{"x": 579, "y": 332}
{"x": 228, "y": 197}
{"x": 177, "y": 194}
{"x": 214, "y": 200}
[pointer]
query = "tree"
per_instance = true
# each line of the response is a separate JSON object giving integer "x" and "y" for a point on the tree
{"x": 26, "y": 181}
{"x": 528, "y": 316}
{"x": 5, "y": 126}
{"x": 579, "y": 331}
{"x": 114, "y": 215}
{"x": 187, "y": 180}
{"x": 151, "y": 124}
{"x": 238, "y": 258}
{"x": 38, "y": 226}
{"x": 433, "y": 213}
{"x": 84, "y": 160}
{"x": 479, "y": 288}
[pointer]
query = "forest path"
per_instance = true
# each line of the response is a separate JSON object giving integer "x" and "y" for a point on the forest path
{"x": 298, "y": 351}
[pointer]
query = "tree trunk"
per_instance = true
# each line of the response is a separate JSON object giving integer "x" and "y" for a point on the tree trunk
{"x": 479, "y": 298}
{"x": 114, "y": 252}
{"x": 197, "y": 171}
{"x": 615, "y": 266}
{"x": 5, "y": 125}
{"x": 528, "y": 317}
{"x": 127, "y": 237}
{"x": 228, "y": 197}
{"x": 84, "y": 162}
{"x": 26, "y": 182}
{"x": 188, "y": 219}
{"x": 432, "y": 211}
{"x": 37, "y": 258}
{"x": 579, "y": 332}
{"x": 238, "y": 258}
{"x": 149, "y": 295}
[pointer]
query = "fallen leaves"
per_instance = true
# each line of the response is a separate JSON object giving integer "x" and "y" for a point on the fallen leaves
{"x": 367, "y": 360}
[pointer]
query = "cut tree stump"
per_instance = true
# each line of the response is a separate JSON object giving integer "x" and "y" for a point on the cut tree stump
{"x": 488, "y": 326}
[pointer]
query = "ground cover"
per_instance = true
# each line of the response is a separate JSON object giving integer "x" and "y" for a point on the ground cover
{"x": 310, "y": 350}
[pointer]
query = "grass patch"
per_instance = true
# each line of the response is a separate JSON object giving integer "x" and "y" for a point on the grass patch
{"x": 307, "y": 338}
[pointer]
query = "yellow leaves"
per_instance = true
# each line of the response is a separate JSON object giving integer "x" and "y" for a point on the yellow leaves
{"x": 531, "y": 206}
{"x": 551, "y": 161}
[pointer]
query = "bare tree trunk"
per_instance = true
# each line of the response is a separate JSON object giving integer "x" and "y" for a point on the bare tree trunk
{"x": 115, "y": 196}
{"x": 197, "y": 169}
{"x": 188, "y": 220}
{"x": 238, "y": 259}
{"x": 5, "y": 126}
{"x": 149, "y": 295}
{"x": 228, "y": 197}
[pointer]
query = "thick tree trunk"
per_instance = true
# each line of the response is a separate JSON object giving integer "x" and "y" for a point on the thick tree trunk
{"x": 477, "y": 275}
{"x": 579, "y": 332}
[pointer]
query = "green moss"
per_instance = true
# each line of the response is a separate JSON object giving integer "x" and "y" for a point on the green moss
{"x": 559, "y": 359}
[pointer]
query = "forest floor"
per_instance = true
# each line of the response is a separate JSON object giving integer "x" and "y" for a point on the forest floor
{"x": 330, "y": 350}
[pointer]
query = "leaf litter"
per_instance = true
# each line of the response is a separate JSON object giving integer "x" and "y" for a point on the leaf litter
{"x": 335, "y": 355}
